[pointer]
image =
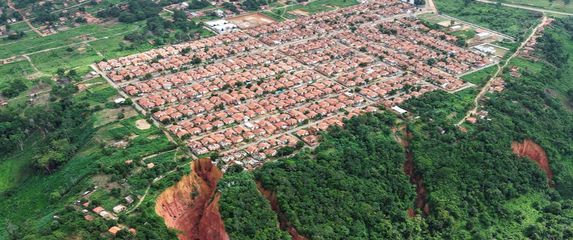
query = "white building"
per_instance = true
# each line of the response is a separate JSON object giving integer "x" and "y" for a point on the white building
{"x": 483, "y": 35}
{"x": 221, "y": 26}
{"x": 399, "y": 110}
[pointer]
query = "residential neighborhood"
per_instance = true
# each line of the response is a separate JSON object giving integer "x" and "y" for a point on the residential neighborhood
{"x": 246, "y": 94}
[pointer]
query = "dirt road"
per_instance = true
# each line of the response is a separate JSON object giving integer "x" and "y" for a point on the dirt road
{"x": 485, "y": 88}
{"x": 11, "y": 5}
{"x": 536, "y": 9}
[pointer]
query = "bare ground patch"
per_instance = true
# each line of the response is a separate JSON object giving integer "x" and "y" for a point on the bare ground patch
{"x": 251, "y": 20}
{"x": 142, "y": 124}
{"x": 299, "y": 12}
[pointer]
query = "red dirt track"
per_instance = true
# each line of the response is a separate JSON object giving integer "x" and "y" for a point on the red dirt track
{"x": 528, "y": 148}
{"x": 421, "y": 201}
{"x": 192, "y": 206}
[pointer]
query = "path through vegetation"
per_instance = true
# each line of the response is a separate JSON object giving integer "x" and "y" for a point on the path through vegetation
{"x": 485, "y": 88}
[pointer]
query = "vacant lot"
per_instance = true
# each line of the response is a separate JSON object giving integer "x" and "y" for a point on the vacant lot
{"x": 251, "y": 20}
{"x": 65, "y": 58}
{"x": 311, "y": 8}
{"x": 61, "y": 39}
{"x": 511, "y": 21}
{"x": 14, "y": 70}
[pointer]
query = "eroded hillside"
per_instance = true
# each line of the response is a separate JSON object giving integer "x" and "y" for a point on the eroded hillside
{"x": 191, "y": 205}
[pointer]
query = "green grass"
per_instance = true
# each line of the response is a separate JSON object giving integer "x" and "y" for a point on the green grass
{"x": 465, "y": 34}
{"x": 274, "y": 16}
{"x": 480, "y": 77}
{"x": 555, "y": 5}
{"x": 14, "y": 168}
{"x": 432, "y": 18}
{"x": 50, "y": 61}
{"x": 99, "y": 94}
{"x": 511, "y": 21}
{"x": 311, "y": 8}
{"x": 14, "y": 70}
{"x": 58, "y": 40}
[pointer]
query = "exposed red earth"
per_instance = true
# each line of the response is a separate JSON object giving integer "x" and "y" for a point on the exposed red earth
{"x": 421, "y": 201}
{"x": 528, "y": 148}
{"x": 191, "y": 205}
{"x": 283, "y": 221}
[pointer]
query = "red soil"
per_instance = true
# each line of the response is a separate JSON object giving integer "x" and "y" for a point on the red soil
{"x": 191, "y": 205}
{"x": 421, "y": 201}
{"x": 283, "y": 221}
{"x": 528, "y": 148}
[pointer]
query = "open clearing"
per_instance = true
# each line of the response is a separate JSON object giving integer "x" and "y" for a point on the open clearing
{"x": 142, "y": 124}
{"x": 251, "y": 20}
{"x": 299, "y": 12}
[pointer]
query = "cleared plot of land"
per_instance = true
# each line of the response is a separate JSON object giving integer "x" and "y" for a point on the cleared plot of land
{"x": 15, "y": 70}
{"x": 142, "y": 124}
{"x": 65, "y": 58}
{"x": 480, "y": 77}
{"x": 510, "y": 21}
{"x": 98, "y": 95}
{"x": 432, "y": 18}
{"x": 116, "y": 46}
{"x": 251, "y": 20}
{"x": 310, "y": 8}
{"x": 61, "y": 39}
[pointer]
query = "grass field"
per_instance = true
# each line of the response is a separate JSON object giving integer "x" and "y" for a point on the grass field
{"x": 555, "y": 5}
{"x": 72, "y": 36}
{"x": 511, "y": 21}
{"x": 312, "y": 7}
{"x": 14, "y": 70}
{"x": 50, "y": 61}
{"x": 480, "y": 77}
{"x": 14, "y": 168}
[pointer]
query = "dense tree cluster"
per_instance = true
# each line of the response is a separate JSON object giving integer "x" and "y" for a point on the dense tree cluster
{"x": 160, "y": 29}
{"x": 61, "y": 124}
{"x": 15, "y": 87}
{"x": 253, "y": 5}
{"x": 351, "y": 187}
{"x": 198, "y": 4}
{"x": 246, "y": 213}
{"x": 231, "y": 7}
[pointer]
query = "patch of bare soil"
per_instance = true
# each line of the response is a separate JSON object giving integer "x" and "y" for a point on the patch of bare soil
{"x": 251, "y": 20}
{"x": 142, "y": 124}
{"x": 299, "y": 12}
{"x": 104, "y": 181}
{"x": 528, "y": 148}
{"x": 284, "y": 224}
{"x": 421, "y": 200}
{"x": 192, "y": 206}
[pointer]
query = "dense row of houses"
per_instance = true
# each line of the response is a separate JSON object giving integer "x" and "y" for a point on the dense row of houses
{"x": 256, "y": 91}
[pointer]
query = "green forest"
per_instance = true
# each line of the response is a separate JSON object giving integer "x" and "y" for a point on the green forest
{"x": 246, "y": 213}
